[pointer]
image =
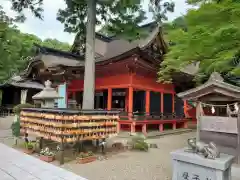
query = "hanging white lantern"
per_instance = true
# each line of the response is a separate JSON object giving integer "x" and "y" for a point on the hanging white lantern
{"x": 213, "y": 110}
{"x": 236, "y": 107}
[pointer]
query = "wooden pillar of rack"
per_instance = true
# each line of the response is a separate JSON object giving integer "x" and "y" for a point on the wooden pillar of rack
{"x": 41, "y": 143}
{"x": 62, "y": 148}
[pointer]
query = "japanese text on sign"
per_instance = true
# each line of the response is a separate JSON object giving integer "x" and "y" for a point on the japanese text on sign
{"x": 187, "y": 176}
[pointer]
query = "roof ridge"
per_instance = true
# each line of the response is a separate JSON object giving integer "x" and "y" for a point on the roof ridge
{"x": 61, "y": 52}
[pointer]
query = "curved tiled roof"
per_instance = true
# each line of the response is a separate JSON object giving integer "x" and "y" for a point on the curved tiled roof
{"x": 106, "y": 48}
{"x": 213, "y": 85}
{"x": 18, "y": 81}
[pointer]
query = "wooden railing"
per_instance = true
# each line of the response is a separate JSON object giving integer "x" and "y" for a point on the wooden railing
{"x": 149, "y": 116}
{"x": 5, "y": 111}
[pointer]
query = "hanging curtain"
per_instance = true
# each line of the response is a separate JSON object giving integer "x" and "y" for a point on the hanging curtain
{"x": 23, "y": 96}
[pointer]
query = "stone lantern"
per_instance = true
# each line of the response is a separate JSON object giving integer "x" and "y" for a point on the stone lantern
{"x": 47, "y": 96}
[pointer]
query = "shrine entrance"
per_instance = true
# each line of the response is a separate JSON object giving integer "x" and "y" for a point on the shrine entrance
{"x": 218, "y": 114}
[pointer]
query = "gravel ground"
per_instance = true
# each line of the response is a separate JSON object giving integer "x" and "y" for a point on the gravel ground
{"x": 152, "y": 165}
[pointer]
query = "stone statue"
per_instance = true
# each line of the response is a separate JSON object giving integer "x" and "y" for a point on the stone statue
{"x": 209, "y": 151}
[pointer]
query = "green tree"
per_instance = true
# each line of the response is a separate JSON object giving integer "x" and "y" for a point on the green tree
{"x": 16, "y": 46}
{"x": 56, "y": 44}
{"x": 212, "y": 38}
{"x": 35, "y": 6}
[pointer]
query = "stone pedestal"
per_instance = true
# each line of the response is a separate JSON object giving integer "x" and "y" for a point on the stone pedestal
{"x": 188, "y": 165}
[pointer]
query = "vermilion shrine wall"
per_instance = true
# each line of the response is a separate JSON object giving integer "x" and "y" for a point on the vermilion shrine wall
{"x": 124, "y": 81}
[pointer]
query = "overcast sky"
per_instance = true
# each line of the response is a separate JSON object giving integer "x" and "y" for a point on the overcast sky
{"x": 51, "y": 28}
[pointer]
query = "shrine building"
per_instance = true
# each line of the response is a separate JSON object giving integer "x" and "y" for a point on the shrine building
{"x": 126, "y": 80}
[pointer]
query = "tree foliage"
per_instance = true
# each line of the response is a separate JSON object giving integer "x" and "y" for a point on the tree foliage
{"x": 15, "y": 46}
{"x": 35, "y": 6}
{"x": 122, "y": 18}
{"x": 212, "y": 38}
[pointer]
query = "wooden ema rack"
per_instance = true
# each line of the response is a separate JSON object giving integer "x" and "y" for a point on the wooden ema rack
{"x": 62, "y": 127}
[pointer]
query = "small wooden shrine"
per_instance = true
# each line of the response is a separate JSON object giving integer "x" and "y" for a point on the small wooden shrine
{"x": 218, "y": 114}
{"x": 126, "y": 80}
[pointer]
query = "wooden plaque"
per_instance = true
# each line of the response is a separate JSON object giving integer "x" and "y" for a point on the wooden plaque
{"x": 219, "y": 124}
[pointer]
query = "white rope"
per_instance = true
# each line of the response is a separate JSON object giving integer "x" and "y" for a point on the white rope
{"x": 217, "y": 105}
{"x": 227, "y": 106}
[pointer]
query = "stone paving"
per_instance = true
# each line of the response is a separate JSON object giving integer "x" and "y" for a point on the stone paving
{"x": 15, "y": 165}
{"x": 152, "y": 165}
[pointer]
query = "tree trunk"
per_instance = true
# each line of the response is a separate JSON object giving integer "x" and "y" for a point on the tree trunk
{"x": 89, "y": 73}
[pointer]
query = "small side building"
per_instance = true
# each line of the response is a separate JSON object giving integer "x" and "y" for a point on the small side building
{"x": 18, "y": 91}
{"x": 218, "y": 113}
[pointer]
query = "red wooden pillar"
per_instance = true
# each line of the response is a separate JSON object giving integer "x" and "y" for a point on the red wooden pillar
{"x": 174, "y": 125}
{"x": 109, "y": 100}
{"x": 185, "y": 124}
{"x": 118, "y": 127}
{"x": 161, "y": 127}
{"x": 130, "y": 99}
{"x": 126, "y": 100}
{"x": 185, "y": 108}
{"x": 133, "y": 128}
{"x": 147, "y": 104}
{"x": 144, "y": 129}
{"x": 130, "y": 108}
{"x": 162, "y": 102}
{"x": 173, "y": 102}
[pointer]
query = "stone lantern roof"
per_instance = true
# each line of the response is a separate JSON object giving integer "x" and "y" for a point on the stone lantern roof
{"x": 47, "y": 93}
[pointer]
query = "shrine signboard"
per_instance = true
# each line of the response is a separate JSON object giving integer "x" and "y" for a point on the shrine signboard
{"x": 219, "y": 124}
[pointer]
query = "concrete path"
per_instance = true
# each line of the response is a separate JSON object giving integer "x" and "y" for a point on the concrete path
{"x": 15, "y": 165}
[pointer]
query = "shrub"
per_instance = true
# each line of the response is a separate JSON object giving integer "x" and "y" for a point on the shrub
{"x": 16, "y": 128}
{"x": 86, "y": 154}
{"x": 138, "y": 143}
{"x": 16, "y": 124}
{"x": 142, "y": 146}
{"x": 29, "y": 145}
{"x": 17, "y": 108}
